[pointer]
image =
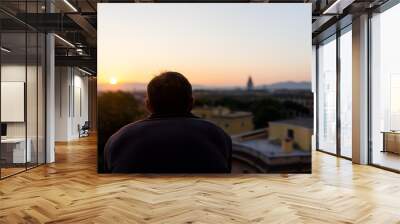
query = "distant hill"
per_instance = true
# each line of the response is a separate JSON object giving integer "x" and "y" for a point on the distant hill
{"x": 136, "y": 86}
{"x": 128, "y": 87}
{"x": 287, "y": 85}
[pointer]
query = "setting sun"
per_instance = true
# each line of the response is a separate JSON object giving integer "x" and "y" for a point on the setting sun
{"x": 113, "y": 81}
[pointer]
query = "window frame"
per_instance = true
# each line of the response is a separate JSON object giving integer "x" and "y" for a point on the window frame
{"x": 333, "y": 37}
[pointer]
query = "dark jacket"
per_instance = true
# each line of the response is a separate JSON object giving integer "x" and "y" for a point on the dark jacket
{"x": 169, "y": 144}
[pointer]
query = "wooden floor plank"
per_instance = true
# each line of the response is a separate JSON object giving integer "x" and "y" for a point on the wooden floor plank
{"x": 70, "y": 191}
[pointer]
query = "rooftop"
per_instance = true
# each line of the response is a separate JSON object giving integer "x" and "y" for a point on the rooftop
{"x": 303, "y": 122}
{"x": 257, "y": 144}
{"x": 268, "y": 149}
{"x": 234, "y": 114}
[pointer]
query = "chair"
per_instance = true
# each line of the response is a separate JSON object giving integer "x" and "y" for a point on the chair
{"x": 84, "y": 130}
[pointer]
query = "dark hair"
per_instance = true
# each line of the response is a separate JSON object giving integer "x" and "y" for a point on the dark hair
{"x": 170, "y": 92}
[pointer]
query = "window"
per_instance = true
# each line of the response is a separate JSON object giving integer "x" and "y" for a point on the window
{"x": 385, "y": 89}
{"x": 346, "y": 93}
{"x": 334, "y": 94}
{"x": 290, "y": 133}
{"x": 327, "y": 95}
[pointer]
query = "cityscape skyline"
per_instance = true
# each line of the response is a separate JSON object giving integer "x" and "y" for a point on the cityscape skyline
{"x": 139, "y": 86}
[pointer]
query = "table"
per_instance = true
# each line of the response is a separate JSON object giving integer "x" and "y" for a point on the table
{"x": 13, "y": 150}
{"x": 391, "y": 141}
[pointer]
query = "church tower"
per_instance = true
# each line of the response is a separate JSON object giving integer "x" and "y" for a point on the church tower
{"x": 250, "y": 84}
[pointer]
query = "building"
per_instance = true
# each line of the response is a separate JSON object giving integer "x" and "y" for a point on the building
{"x": 232, "y": 122}
{"x": 297, "y": 131}
{"x": 285, "y": 146}
{"x": 250, "y": 85}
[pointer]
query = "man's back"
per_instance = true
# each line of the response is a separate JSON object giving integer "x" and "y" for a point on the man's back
{"x": 169, "y": 144}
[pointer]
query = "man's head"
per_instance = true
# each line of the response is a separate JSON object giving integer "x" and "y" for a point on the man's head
{"x": 169, "y": 92}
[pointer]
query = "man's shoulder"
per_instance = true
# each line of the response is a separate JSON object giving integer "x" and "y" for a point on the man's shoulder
{"x": 151, "y": 123}
{"x": 193, "y": 120}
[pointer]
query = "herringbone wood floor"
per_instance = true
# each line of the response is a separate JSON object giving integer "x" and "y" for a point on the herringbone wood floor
{"x": 70, "y": 191}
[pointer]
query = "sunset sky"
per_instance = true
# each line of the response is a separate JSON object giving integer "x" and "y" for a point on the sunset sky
{"x": 211, "y": 44}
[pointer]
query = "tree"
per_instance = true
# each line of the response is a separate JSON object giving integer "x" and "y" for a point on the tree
{"x": 266, "y": 110}
{"x": 115, "y": 110}
{"x": 296, "y": 109}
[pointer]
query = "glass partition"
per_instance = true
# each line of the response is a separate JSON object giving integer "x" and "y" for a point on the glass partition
{"x": 22, "y": 98}
{"x": 13, "y": 95}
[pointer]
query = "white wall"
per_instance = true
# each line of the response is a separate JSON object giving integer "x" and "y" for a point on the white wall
{"x": 12, "y": 73}
{"x": 33, "y": 126}
{"x": 62, "y": 82}
{"x": 81, "y": 113}
{"x": 71, "y": 94}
